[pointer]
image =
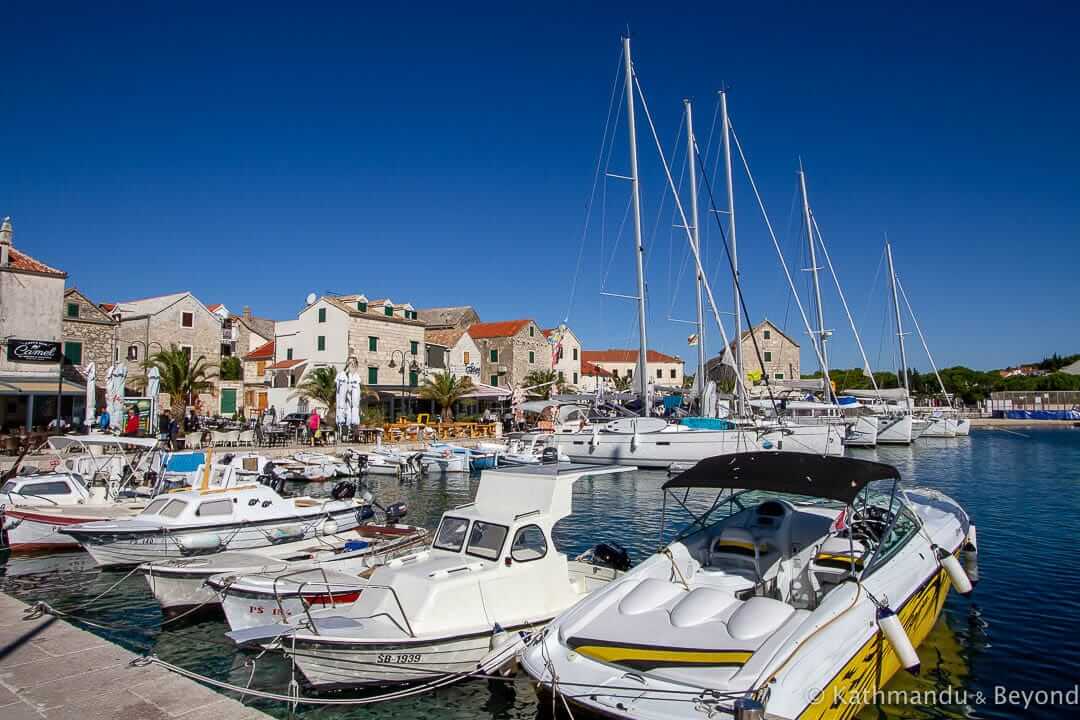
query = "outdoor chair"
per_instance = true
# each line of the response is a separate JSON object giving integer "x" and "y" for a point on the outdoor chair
{"x": 193, "y": 441}
{"x": 222, "y": 439}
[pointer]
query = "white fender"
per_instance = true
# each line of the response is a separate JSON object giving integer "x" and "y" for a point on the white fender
{"x": 595, "y": 435}
{"x": 969, "y": 556}
{"x": 959, "y": 578}
{"x": 634, "y": 438}
{"x": 890, "y": 625}
{"x": 199, "y": 543}
{"x": 500, "y": 641}
{"x": 329, "y": 526}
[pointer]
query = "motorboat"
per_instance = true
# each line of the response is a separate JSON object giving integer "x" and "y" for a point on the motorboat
{"x": 209, "y": 520}
{"x": 92, "y": 477}
{"x": 383, "y": 460}
{"x": 800, "y": 586}
{"x": 180, "y": 584}
{"x": 491, "y": 570}
{"x": 446, "y": 457}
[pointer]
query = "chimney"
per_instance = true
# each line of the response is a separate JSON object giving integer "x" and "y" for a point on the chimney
{"x": 247, "y": 312}
{"x": 6, "y": 233}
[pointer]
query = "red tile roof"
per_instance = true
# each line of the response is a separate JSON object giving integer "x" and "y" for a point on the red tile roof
{"x": 215, "y": 307}
{"x": 263, "y": 352}
{"x": 624, "y": 356}
{"x": 507, "y": 328}
{"x": 286, "y": 364}
{"x": 21, "y": 261}
{"x": 108, "y": 307}
{"x": 590, "y": 370}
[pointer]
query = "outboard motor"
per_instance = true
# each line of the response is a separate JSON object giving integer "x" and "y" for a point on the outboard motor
{"x": 611, "y": 555}
{"x": 364, "y": 513}
{"x": 344, "y": 490}
{"x": 415, "y": 467}
{"x": 549, "y": 456}
{"x": 395, "y": 512}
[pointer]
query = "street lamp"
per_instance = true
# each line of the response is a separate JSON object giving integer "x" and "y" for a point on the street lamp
{"x": 411, "y": 366}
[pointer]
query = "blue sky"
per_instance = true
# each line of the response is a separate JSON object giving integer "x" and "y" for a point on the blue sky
{"x": 443, "y": 154}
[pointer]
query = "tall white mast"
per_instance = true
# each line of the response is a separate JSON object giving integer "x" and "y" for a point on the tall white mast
{"x": 726, "y": 132}
{"x": 639, "y": 249}
{"x": 899, "y": 326}
{"x": 922, "y": 338}
{"x": 821, "y": 333}
{"x": 691, "y": 147}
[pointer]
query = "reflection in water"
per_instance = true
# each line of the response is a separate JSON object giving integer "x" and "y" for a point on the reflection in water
{"x": 1023, "y": 493}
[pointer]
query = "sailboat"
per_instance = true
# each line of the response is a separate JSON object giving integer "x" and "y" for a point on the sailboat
{"x": 653, "y": 442}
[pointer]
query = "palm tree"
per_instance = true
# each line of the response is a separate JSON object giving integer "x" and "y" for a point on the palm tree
{"x": 622, "y": 383}
{"x": 548, "y": 379}
{"x": 180, "y": 377}
{"x": 445, "y": 389}
{"x": 319, "y": 385}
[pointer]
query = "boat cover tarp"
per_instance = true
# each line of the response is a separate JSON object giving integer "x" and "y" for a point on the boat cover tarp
{"x": 1038, "y": 414}
{"x": 707, "y": 423}
{"x": 185, "y": 462}
{"x": 885, "y": 393}
{"x": 835, "y": 478}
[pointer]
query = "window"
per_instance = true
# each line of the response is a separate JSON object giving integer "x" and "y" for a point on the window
{"x": 153, "y": 507}
{"x": 414, "y": 378}
{"x": 486, "y": 540}
{"x": 659, "y": 373}
{"x": 373, "y": 344}
{"x": 226, "y": 350}
{"x": 532, "y": 357}
{"x": 73, "y": 353}
{"x": 320, "y": 343}
{"x": 173, "y": 509}
{"x": 373, "y": 376}
{"x": 215, "y": 508}
{"x": 389, "y": 310}
{"x": 767, "y": 334}
{"x": 904, "y": 526}
{"x": 322, "y": 315}
{"x": 187, "y": 319}
{"x": 186, "y": 349}
{"x": 529, "y": 544}
{"x": 451, "y": 534}
{"x": 674, "y": 373}
{"x": 288, "y": 354}
{"x": 260, "y": 368}
{"x": 768, "y": 356}
{"x": 614, "y": 372}
{"x": 575, "y": 353}
{"x": 575, "y": 378}
{"x": 73, "y": 310}
{"x": 56, "y": 487}
{"x": 494, "y": 381}
{"x": 414, "y": 347}
{"x": 493, "y": 356}
{"x": 465, "y": 359}
{"x": 532, "y": 331}
{"x": 361, "y": 306}
{"x": 630, "y": 372}
{"x": 778, "y": 376}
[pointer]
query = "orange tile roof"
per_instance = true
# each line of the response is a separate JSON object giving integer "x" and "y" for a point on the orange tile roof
{"x": 506, "y": 328}
{"x": 286, "y": 364}
{"x": 587, "y": 368}
{"x": 21, "y": 261}
{"x": 108, "y": 307}
{"x": 446, "y": 338}
{"x": 215, "y": 307}
{"x": 611, "y": 355}
{"x": 263, "y": 352}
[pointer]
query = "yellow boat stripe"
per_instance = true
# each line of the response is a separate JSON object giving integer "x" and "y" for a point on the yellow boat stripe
{"x": 643, "y": 656}
{"x": 838, "y": 558}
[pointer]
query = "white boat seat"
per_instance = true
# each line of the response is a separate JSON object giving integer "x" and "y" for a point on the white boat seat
{"x": 738, "y": 551}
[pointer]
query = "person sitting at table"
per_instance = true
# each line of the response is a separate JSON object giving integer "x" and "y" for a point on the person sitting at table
{"x": 104, "y": 420}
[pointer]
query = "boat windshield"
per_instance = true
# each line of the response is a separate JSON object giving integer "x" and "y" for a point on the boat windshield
{"x": 486, "y": 540}
{"x": 451, "y": 535}
{"x": 153, "y": 507}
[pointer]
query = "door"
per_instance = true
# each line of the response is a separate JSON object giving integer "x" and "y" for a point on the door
{"x": 262, "y": 402}
{"x": 228, "y": 401}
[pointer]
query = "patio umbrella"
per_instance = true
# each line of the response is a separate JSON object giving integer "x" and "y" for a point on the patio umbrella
{"x": 341, "y": 389}
{"x": 114, "y": 390}
{"x": 91, "y": 387}
{"x": 153, "y": 391}
{"x": 354, "y": 398}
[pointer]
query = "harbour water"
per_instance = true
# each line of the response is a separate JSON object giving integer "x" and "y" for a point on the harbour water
{"x": 987, "y": 657}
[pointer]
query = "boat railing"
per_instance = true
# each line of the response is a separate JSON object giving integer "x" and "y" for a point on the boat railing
{"x": 330, "y": 592}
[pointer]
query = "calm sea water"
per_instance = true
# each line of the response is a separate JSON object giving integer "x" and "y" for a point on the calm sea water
{"x": 1016, "y": 634}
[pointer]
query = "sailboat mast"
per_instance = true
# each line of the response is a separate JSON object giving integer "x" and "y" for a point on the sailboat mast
{"x": 726, "y": 131}
{"x": 899, "y": 326}
{"x": 817, "y": 286}
{"x": 639, "y": 249}
{"x": 691, "y": 146}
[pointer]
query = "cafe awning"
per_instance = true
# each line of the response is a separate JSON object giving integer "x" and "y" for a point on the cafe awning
{"x": 22, "y": 385}
{"x": 480, "y": 391}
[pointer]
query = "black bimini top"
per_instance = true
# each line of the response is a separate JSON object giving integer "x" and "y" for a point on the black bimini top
{"x": 835, "y": 478}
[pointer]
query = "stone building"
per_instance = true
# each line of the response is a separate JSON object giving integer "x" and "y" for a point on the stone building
{"x": 240, "y": 334}
{"x": 32, "y": 332}
{"x": 565, "y": 354}
{"x": 510, "y": 350}
{"x": 457, "y": 317}
{"x": 152, "y": 324}
{"x": 89, "y": 334}
{"x": 779, "y": 354}
{"x": 463, "y": 352}
{"x": 663, "y": 370}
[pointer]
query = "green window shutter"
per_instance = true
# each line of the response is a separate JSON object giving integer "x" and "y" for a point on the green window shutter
{"x": 373, "y": 376}
{"x": 322, "y": 315}
{"x": 575, "y": 353}
{"x": 768, "y": 356}
{"x": 414, "y": 378}
{"x": 414, "y": 347}
{"x": 228, "y": 401}
{"x": 494, "y": 355}
{"x": 321, "y": 343}
{"x": 73, "y": 310}
{"x": 532, "y": 356}
{"x": 389, "y": 310}
{"x": 495, "y": 380}
{"x": 768, "y": 334}
{"x": 361, "y": 306}
{"x": 373, "y": 344}
{"x": 575, "y": 378}
{"x": 73, "y": 352}
{"x": 288, "y": 354}
{"x": 532, "y": 331}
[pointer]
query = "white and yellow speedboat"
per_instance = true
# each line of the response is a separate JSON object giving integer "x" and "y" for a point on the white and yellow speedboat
{"x": 801, "y": 586}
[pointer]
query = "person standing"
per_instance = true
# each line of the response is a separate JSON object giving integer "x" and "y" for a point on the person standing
{"x": 170, "y": 428}
{"x": 313, "y": 424}
{"x": 131, "y": 427}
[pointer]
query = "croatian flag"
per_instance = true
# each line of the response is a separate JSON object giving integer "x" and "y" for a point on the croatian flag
{"x": 841, "y": 521}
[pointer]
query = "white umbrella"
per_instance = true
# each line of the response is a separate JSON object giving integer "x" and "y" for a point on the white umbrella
{"x": 354, "y": 398}
{"x": 114, "y": 390}
{"x": 153, "y": 391}
{"x": 91, "y": 387}
{"x": 341, "y": 388}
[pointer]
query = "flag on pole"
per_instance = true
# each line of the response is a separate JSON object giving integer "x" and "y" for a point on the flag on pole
{"x": 692, "y": 340}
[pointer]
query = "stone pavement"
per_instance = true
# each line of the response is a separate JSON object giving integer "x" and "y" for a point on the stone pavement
{"x": 51, "y": 669}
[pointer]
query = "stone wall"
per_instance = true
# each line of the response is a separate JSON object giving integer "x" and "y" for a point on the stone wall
{"x": 512, "y": 363}
{"x": 93, "y": 328}
{"x": 393, "y": 335}
{"x": 779, "y": 352}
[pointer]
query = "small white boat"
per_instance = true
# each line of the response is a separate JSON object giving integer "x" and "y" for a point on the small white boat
{"x": 491, "y": 569}
{"x": 180, "y": 584}
{"x": 803, "y": 586}
{"x": 206, "y": 521}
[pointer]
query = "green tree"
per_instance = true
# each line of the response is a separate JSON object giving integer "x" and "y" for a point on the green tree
{"x": 231, "y": 368}
{"x": 445, "y": 390}
{"x": 319, "y": 386}
{"x": 622, "y": 383}
{"x": 549, "y": 379}
{"x": 688, "y": 381}
{"x": 180, "y": 377}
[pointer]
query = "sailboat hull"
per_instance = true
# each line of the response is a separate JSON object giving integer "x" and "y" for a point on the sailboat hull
{"x": 863, "y": 432}
{"x": 894, "y": 430}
